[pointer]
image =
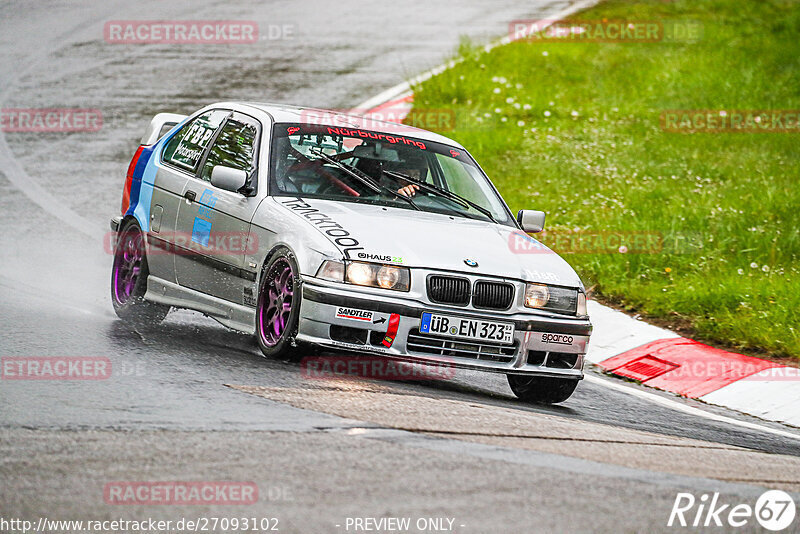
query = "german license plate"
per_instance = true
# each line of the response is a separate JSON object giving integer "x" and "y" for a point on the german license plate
{"x": 466, "y": 328}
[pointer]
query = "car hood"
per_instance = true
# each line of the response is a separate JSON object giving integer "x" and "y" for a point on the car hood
{"x": 431, "y": 240}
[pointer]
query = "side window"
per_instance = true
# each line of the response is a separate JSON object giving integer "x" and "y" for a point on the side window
{"x": 234, "y": 147}
{"x": 186, "y": 147}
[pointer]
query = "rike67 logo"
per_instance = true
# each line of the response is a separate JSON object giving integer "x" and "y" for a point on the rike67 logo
{"x": 774, "y": 510}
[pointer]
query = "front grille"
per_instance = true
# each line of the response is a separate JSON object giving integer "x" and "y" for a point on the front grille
{"x": 347, "y": 334}
{"x": 376, "y": 338}
{"x": 561, "y": 360}
{"x": 492, "y": 295}
{"x": 556, "y": 360}
{"x": 462, "y": 349}
{"x": 448, "y": 290}
{"x": 536, "y": 357}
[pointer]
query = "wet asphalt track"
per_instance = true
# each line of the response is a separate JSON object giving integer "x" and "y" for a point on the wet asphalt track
{"x": 189, "y": 400}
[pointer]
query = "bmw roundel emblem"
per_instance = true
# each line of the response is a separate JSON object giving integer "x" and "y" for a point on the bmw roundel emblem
{"x": 471, "y": 263}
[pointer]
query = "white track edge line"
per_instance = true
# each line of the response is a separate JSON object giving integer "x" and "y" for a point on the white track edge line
{"x": 405, "y": 87}
{"x": 691, "y": 410}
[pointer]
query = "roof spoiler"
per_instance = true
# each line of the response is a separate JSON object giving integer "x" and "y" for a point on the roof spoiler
{"x": 153, "y": 132}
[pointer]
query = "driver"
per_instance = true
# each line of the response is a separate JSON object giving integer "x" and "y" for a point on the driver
{"x": 414, "y": 166}
{"x": 409, "y": 163}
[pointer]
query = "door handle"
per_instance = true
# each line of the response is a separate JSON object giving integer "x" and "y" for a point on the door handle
{"x": 190, "y": 196}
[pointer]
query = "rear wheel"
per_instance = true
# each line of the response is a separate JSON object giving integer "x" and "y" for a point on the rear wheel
{"x": 129, "y": 280}
{"x": 541, "y": 389}
{"x": 278, "y": 308}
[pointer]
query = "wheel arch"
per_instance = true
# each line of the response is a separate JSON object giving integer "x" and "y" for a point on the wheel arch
{"x": 127, "y": 219}
{"x": 271, "y": 254}
{"x": 281, "y": 346}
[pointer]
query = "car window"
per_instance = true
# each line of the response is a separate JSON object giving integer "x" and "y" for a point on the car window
{"x": 320, "y": 161}
{"x": 234, "y": 147}
{"x": 463, "y": 180}
{"x": 186, "y": 147}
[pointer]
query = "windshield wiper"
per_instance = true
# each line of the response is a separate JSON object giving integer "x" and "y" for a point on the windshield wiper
{"x": 369, "y": 182}
{"x": 444, "y": 193}
{"x": 327, "y": 159}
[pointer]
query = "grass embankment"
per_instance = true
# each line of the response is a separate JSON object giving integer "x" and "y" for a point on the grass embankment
{"x": 572, "y": 128}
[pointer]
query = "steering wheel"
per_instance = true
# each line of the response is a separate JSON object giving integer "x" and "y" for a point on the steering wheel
{"x": 304, "y": 163}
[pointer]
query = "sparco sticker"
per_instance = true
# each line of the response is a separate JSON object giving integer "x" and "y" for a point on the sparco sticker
{"x": 558, "y": 339}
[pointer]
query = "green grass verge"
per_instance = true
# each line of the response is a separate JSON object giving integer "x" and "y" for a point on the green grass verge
{"x": 573, "y": 129}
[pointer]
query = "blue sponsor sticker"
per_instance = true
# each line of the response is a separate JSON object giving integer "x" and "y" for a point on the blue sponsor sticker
{"x": 201, "y": 231}
{"x": 425, "y": 324}
{"x": 206, "y": 204}
{"x": 208, "y": 198}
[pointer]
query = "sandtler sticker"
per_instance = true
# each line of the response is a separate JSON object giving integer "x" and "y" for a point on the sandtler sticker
{"x": 353, "y": 313}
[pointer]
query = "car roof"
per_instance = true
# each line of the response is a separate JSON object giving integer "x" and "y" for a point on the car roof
{"x": 297, "y": 114}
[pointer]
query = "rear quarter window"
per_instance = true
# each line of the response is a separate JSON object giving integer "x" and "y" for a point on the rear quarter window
{"x": 186, "y": 148}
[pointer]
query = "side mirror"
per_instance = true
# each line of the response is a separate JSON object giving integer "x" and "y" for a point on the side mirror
{"x": 228, "y": 178}
{"x": 531, "y": 220}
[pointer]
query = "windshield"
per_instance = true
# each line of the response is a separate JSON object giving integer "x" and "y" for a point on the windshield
{"x": 354, "y": 165}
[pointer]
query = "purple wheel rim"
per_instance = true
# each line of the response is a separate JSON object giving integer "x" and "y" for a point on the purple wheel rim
{"x": 127, "y": 265}
{"x": 275, "y": 302}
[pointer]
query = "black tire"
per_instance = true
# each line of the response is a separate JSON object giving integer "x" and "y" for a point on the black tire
{"x": 541, "y": 389}
{"x": 283, "y": 344}
{"x": 128, "y": 298}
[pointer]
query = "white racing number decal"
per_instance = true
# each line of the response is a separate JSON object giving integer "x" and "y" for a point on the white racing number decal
{"x": 354, "y": 314}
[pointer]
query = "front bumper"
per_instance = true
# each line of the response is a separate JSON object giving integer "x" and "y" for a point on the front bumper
{"x": 534, "y": 352}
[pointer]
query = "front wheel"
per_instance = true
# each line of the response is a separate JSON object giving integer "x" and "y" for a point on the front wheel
{"x": 129, "y": 280}
{"x": 541, "y": 389}
{"x": 278, "y": 308}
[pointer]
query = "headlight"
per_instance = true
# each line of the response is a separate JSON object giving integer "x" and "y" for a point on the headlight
{"x": 331, "y": 270}
{"x": 536, "y": 296}
{"x": 361, "y": 274}
{"x": 388, "y": 276}
{"x": 582, "y": 311}
{"x": 377, "y": 275}
{"x": 551, "y": 298}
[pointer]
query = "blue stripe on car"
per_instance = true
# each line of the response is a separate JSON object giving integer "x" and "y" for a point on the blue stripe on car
{"x": 136, "y": 183}
{"x": 144, "y": 175}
